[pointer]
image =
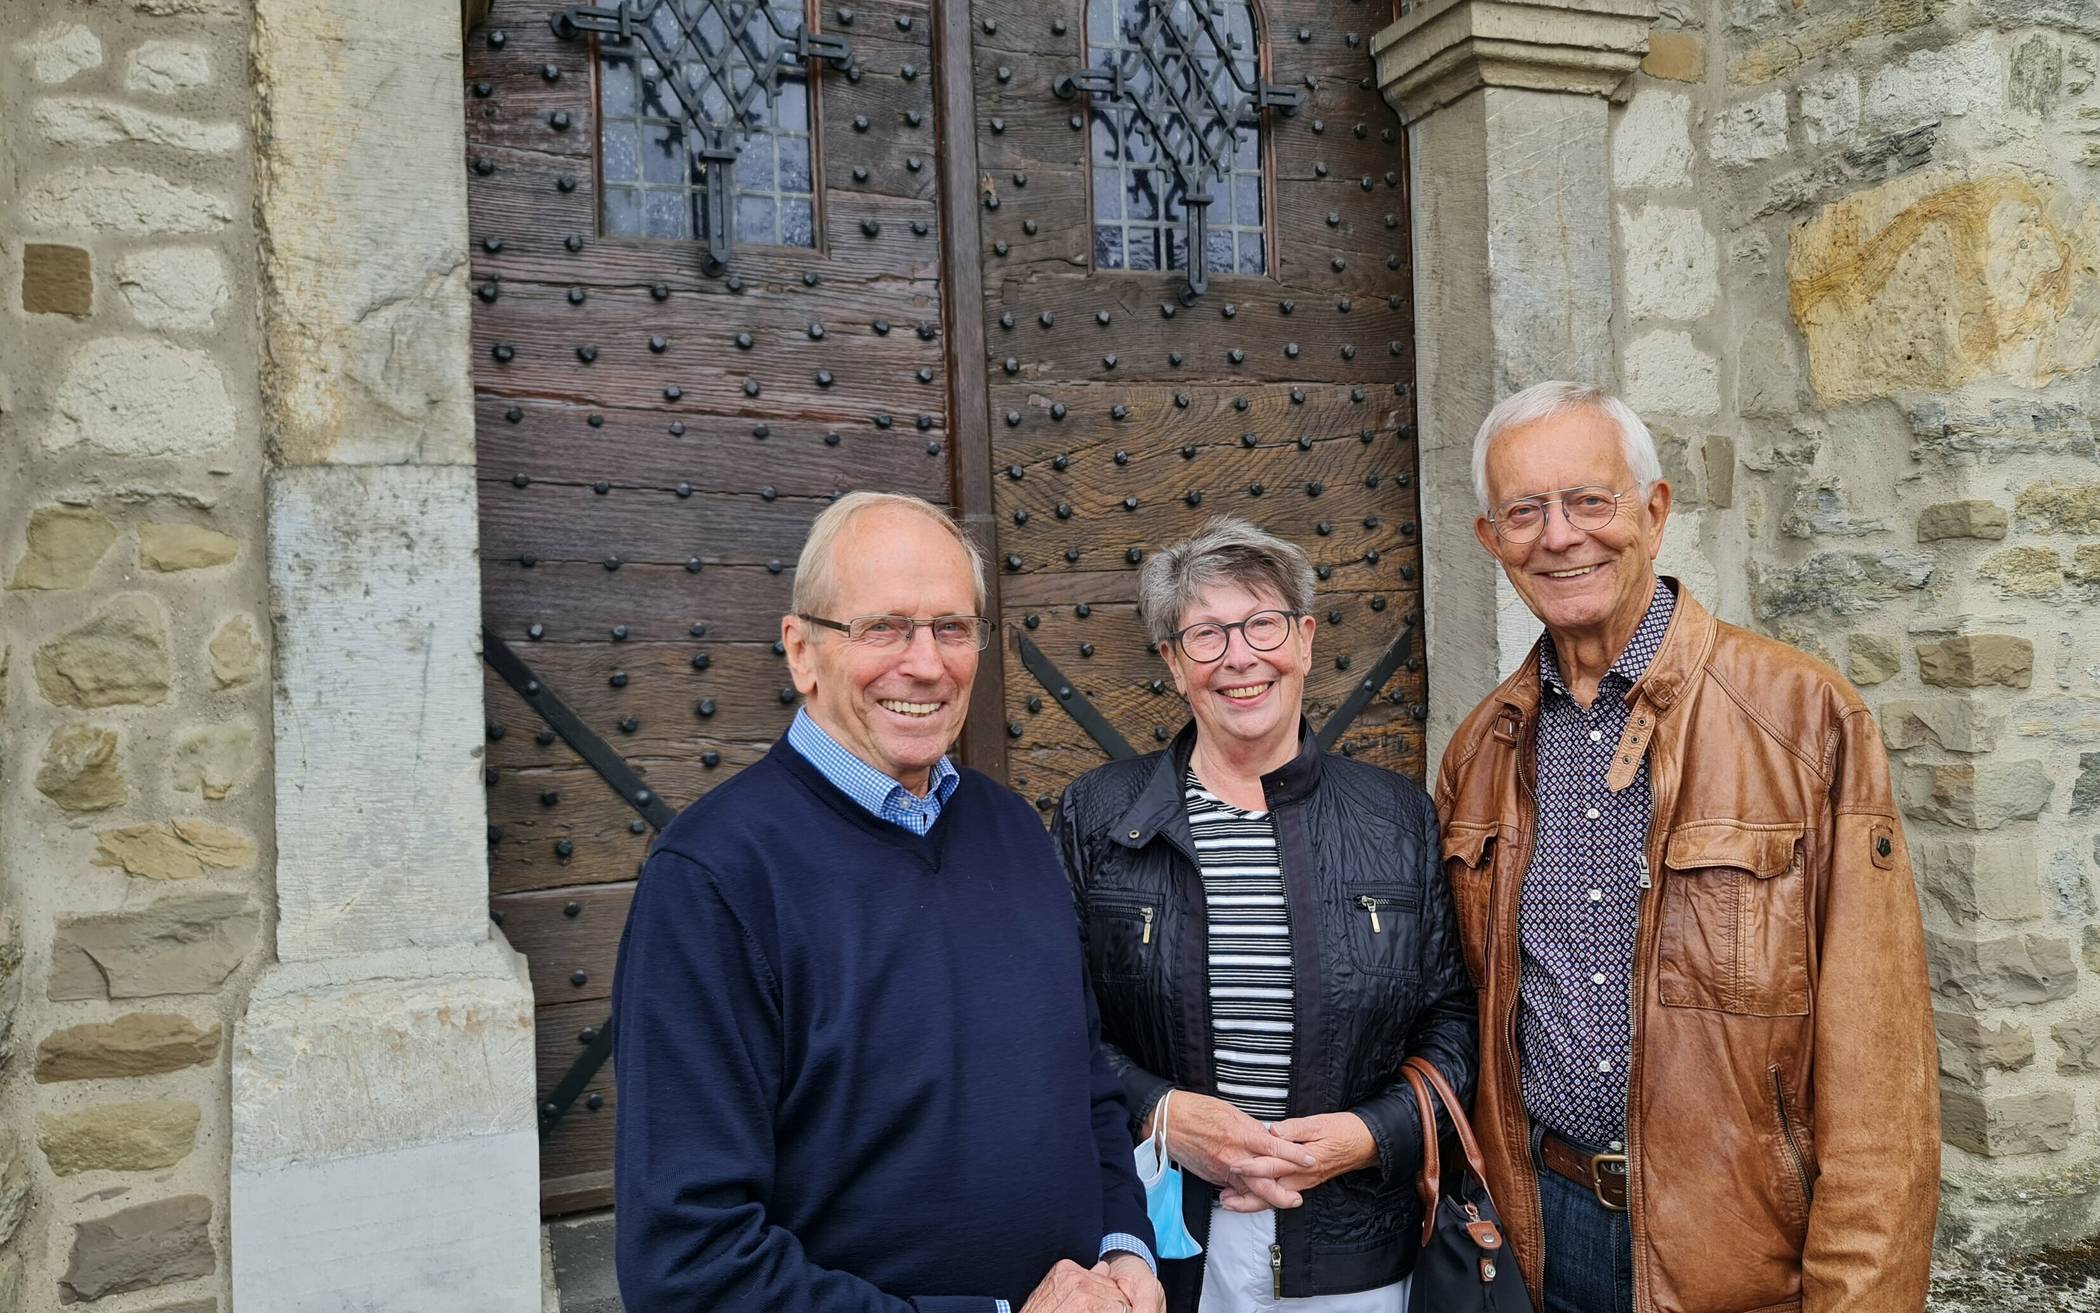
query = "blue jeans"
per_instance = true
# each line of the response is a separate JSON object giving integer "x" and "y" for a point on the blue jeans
{"x": 1589, "y": 1248}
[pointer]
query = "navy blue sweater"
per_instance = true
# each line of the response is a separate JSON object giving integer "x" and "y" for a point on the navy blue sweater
{"x": 858, "y": 1069}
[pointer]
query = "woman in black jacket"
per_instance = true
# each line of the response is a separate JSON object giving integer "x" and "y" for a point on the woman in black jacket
{"x": 1269, "y": 937}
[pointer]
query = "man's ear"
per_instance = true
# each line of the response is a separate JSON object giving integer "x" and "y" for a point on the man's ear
{"x": 1658, "y": 508}
{"x": 800, "y": 640}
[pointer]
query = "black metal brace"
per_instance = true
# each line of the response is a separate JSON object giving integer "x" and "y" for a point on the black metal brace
{"x": 1082, "y": 712}
{"x": 1367, "y": 688}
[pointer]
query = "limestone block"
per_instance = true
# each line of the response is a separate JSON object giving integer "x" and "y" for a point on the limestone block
{"x": 2077, "y": 1043}
{"x": 57, "y": 280}
{"x": 150, "y": 1244}
{"x": 141, "y": 396}
{"x": 2037, "y": 76}
{"x": 1875, "y": 659}
{"x": 119, "y": 1137}
{"x": 10, "y": 982}
{"x": 2085, "y": 791}
{"x": 1788, "y": 36}
{"x": 2059, "y": 507}
{"x": 65, "y": 544}
{"x": 14, "y": 1188}
{"x": 1977, "y": 660}
{"x": 172, "y": 547}
{"x": 1974, "y": 879}
{"x": 1676, "y": 56}
{"x": 214, "y": 759}
{"x": 1983, "y": 796}
{"x": 2001, "y": 972}
{"x": 1830, "y": 106}
{"x": 2084, "y": 566}
{"x": 2024, "y": 571}
{"x": 162, "y": 68}
{"x": 1822, "y": 510}
{"x": 61, "y": 52}
{"x": 2006, "y": 1124}
{"x": 2068, "y": 15}
{"x": 181, "y": 849}
{"x": 119, "y": 658}
{"x": 80, "y": 771}
{"x": 1965, "y": 78}
{"x": 2062, "y": 717}
{"x": 1667, "y": 374}
{"x": 1717, "y": 460}
{"x": 181, "y": 944}
{"x": 1767, "y": 371}
{"x": 1749, "y": 131}
{"x": 1961, "y": 519}
{"x": 1841, "y": 583}
{"x": 1651, "y": 140}
{"x": 236, "y": 653}
{"x": 1958, "y": 724}
{"x": 93, "y": 121}
{"x": 138, "y": 1044}
{"x": 2091, "y": 942}
{"x": 1671, "y": 268}
{"x": 124, "y": 202}
{"x": 1969, "y": 1047}
{"x": 174, "y": 287}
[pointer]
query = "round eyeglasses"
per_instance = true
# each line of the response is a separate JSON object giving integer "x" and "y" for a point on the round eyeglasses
{"x": 895, "y": 631}
{"x": 1207, "y": 640}
{"x": 1588, "y": 508}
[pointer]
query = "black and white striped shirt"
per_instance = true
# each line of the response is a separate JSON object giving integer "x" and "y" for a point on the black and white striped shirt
{"x": 1250, "y": 952}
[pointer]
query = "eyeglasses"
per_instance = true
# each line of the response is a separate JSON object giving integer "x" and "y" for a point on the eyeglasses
{"x": 1588, "y": 508}
{"x": 1207, "y": 641}
{"x": 883, "y": 632}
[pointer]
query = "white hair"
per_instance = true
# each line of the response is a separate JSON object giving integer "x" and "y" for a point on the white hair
{"x": 1227, "y": 550}
{"x": 1544, "y": 401}
{"x": 813, "y": 584}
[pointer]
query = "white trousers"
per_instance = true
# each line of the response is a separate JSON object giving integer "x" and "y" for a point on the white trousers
{"x": 1237, "y": 1277}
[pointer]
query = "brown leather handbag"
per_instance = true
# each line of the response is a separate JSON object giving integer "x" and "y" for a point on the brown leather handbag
{"x": 1465, "y": 1263}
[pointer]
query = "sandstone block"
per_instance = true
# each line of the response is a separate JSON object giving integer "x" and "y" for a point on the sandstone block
{"x": 215, "y": 759}
{"x": 1967, "y": 77}
{"x": 1961, "y": 519}
{"x": 2024, "y": 571}
{"x": 162, "y": 68}
{"x": 1969, "y": 1047}
{"x": 65, "y": 545}
{"x": 61, "y": 52}
{"x": 2077, "y": 1044}
{"x": 236, "y": 653}
{"x": 119, "y": 658}
{"x": 92, "y": 121}
{"x": 145, "y": 1245}
{"x": 119, "y": 1137}
{"x": 1750, "y": 131}
{"x": 1667, "y": 374}
{"x": 1957, "y": 724}
{"x": 14, "y": 1188}
{"x": 180, "y": 944}
{"x": 1651, "y": 141}
{"x": 1767, "y": 371}
{"x": 1974, "y": 878}
{"x": 1979, "y": 797}
{"x": 2006, "y": 1124}
{"x": 1875, "y": 659}
{"x": 181, "y": 849}
{"x": 2037, "y": 76}
{"x": 1841, "y": 583}
{"x": 1676, "y": 56}
{"x": 80, "y": 770}
{"x": 1977, "y": 660}
{"x": 140, "y": 1044}
{"x": 2085, "y": 790}
{"x": 124, "y": 202}
{"x": 2059, "y": 507}
{"x": 2069, "y": 15}
{"x": 1671, "y": 268}
{"x": 141, "y": 396}
{"x": 2091, "y": 948}
{"x": 2014, "y": 969}
{"x": 2084, "y": 567}
{"x": 1830, "y": 106}
{"x": 172, "y": 547}
{"x": 174, "y": 287}
{"x": 57, "y": 280}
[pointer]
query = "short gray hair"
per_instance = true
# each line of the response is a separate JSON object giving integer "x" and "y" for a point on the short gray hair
{"x": 1228, "y": 550}
{"x": 1544, "y": 401}
{"x": 813, "y": 569}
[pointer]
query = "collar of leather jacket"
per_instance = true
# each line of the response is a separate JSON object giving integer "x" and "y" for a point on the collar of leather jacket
{"x": 1685, "y": 646}
{"x": 1160, "y": 804}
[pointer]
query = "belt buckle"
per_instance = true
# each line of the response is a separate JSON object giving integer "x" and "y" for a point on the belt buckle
{"x": 1599, "y": 1174}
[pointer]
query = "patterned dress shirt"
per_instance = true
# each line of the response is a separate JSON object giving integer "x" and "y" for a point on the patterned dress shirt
{"x": 1581, "y": 899}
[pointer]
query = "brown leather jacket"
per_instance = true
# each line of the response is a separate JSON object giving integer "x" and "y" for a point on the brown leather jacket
{"x": 1783, "y": 1106}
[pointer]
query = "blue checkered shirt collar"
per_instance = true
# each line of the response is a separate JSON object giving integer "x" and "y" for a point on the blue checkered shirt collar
{"x": 881, "y": 796}
{"x": 1633, "y": 660}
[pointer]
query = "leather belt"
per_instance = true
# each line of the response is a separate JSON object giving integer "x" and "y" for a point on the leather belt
{"x": 1603, "y": 1174}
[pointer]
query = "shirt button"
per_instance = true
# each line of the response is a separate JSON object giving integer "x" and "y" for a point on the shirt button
{"x": 1604, "y": 1064}
{"x": 1596, "y": 895}
{"x": 1591, "y": 813}
{"x": 1597, "y": 977}
{"x": 1596, "y": 736}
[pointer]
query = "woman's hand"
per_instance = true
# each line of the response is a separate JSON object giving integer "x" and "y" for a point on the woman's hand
{"x": 1229, "y": 1149}
{"x": 1337, "y": 1141}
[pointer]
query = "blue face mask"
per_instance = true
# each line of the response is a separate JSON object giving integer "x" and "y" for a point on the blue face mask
{"x": 1162, "y": 1180}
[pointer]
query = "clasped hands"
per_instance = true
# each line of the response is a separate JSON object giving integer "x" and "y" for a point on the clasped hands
{"x": 1119, "y": 1283}
{"x": 1256, "y": 1166}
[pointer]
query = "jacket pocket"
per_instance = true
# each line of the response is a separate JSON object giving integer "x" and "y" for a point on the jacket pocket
{"x": 1121, "y": 931}
{"x": 1793, "y": 1148}
{"x": 1734, "y": 934}
{"x": 1469, "y": 868}
{"x": 1382, "y": 932}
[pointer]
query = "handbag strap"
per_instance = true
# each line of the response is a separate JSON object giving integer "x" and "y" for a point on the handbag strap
{"x": 1429, "y": 1179}
{"x": 1428, "y": 1072}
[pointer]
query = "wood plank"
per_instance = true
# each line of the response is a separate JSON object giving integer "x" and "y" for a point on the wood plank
{"x": 558, "y": 942}
{"x": 570, "y": 522}
{"x": 737, "y": 603}
{"x": 604, "y": 847}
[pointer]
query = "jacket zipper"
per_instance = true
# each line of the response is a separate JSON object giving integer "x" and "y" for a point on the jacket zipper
{"x": 1660, "y": 805}
{"x": 1146, "y": 912}
{"x": 1786, "y": 1130}
{"x": 1527, "y": 756}
{"x": 1276, "y": 1270}
{"x": 1370, "y": 904}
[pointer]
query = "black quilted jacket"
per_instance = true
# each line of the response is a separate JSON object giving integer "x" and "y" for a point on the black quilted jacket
{"x": 1365, "y": 998}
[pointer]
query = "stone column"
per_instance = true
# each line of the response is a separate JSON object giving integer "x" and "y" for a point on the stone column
{"x": 384, "y": 1150}
{"x": 1506, "y": 109}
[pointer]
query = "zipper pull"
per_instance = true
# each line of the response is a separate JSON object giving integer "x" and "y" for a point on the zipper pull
{"x": 1146, "y": 912}
{"x": 1370, "y": 904}
{"x": 1646, "y": 883}
{"x": 1276, "y": 1270}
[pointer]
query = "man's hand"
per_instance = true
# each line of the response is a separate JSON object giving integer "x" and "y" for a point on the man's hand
{"x": 1070, "y": 1288}
{"x": 1338, "y": 1142}
{"x": 1136, "y": 1281}
{"x": 1220, "y": 1143}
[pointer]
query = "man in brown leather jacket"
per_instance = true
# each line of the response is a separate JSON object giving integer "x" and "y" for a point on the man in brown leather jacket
{"x": 1707, "y": 1073}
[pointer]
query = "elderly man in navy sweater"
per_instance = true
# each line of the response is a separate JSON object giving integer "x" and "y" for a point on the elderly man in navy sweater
{"x": 856, "y": 1047}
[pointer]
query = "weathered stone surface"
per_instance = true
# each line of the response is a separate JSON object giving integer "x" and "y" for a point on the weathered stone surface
{"x": 2000, "y": 428}
{"x": 1977, "y": 660}
{"x": 180, "y": 944}
{"x": 80, "y": 770}
{"x": 171, "y": 547}
{"x": 1961, "y": 519}
{"x": 10, "y": 981}
{"x": 93, "y": 121}
{"x": 1789, "y": 36}
{"x": 2084, "y": 566}
{"x": 1876, "y": 658}
{"x": 57, "y": 280}
{"x": 2024, "y": 571}
{"x": 216, "y": 759}
{"x": 1767, "y": 371}
{"x": 1983, "y": 796}
{"x": 2091, "y": 943}
{"x": 1821, "y": 509}
{"x": 14, "y": 1188}
{"x": 2059, "y": 507}
{"x": 124, "y": 202}
{"x": 2037, "y": 76}
{"x": 174, "y": 287}
{"x": 2062, "y": 716}
{"x": 236, "y": 653}
{"x": 1749, "y": 131}
{"x": 1676, "y": 56}
{"x": 162, "y": 68}
{"x": 2067, "y": 15}
{"x": 61, "y": 52}
{"x": 1830, "y": 106}
{"x": 1997, "y": 881}
{"x": 148, "y": 1244}
{"x": 1840, "y": 583}
{"x": 1958, "y": 724}
{"x": 1670, "y": 267}
{"x": 1667, "y": 374}
{"x": 1965, "y": 78}
{"x": 119, "y": 1137}
{"x": 140, "y": 1044}
{"x": 1651, "y": 142}
{"x": 1997, "y": 972}
{"x": 65, "y": 544}
{"x": 186, "y": 1306}
{"x": 119, "y": 658}
{"x": 1999, "y": 1125}
{"x": 181, "y": 849}
{"x": 2085, "y": 790}
{"x": 1970, "y": 1047}
{"x": 2077, "y": 1043}
{"x": 141, "y": 396}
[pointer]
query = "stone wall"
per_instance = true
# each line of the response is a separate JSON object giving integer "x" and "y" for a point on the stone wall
{"x": 1858, "y": 301}
{"x": 135, "y": 784}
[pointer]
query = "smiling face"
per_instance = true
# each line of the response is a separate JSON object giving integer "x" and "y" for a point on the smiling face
{"x": 899, "y": 709}
{"x": 1245, "y": 702}
{"x": 1578, "y": 582}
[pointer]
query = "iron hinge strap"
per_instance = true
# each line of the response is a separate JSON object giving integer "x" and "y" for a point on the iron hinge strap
{"x": 596, "y": 753}
{"x": 1082, "y": 712}
{"x": 576, "y": 1078}
{"x": 1367, "y": 688}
